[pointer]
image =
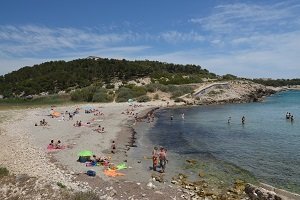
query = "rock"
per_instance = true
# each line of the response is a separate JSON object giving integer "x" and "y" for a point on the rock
{"x": 151, "y": 185}
{"x": 158, "y": 192}
{"x": 112, "y": 193}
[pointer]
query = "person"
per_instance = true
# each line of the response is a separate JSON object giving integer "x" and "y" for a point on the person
{"x": 171, "y": 117}
{"x": 58, "y": 144}
{"x": 94, "y": 160}
{"x": 287, "y": 116}
{"x": 182, "y": 116}
{"x": 229, "y": 119}
{"x": 162, "y": 159}
{"x": 292, "y": 118}
{"x": 243, "y": 120}
{"x": 113, "y": 147}
{"x": 51, "y": 144}
{"x": 154, "y": 158}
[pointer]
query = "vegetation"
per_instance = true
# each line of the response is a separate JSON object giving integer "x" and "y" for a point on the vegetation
{"x": 278, "y": 82}
{"x": 59, "y": 184}
{"x": 143, "y": 98}
{"x": 56, "y": 76}
{"x": 42, "y": 100}
{"x": 3, "y": 172}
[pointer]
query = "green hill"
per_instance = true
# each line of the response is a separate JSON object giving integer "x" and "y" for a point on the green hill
{"x": 55, "y": 76}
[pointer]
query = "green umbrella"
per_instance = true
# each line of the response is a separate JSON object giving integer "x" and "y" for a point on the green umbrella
{"x": 85, "y": 153}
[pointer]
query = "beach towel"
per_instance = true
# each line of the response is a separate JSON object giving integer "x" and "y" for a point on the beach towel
{"x": 121, "y": 166}
{"x": 52, "y": 148}
{"x": 112, "y": 173}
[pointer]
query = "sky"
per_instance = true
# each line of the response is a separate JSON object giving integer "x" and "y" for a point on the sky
{"x": 253, "y": 39}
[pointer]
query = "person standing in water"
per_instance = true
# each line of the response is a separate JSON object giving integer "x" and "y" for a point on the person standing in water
{"x": 155, "y": 158}
{"x": 182, "y": 116}
{"x": 171, "y": 117}
{"x": 243, "y": 120}
{"x": 229, "y": 119}
{"x": 163, "y": 159}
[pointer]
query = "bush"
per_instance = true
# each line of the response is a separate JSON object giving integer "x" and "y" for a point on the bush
{"x": 123, "y": 94}
{"x": 102, "y": 97}
{"x": 59, "y": 184}
{"x": 3, "y": 172}
{"x": 84, "y": 94}
{"x": 143, "y": 98}
{"x": 139, "y": 91}
{"x": 179, "y": 100}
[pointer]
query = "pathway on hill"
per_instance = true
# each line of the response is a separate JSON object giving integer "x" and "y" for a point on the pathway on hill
{"x": 202, "y": 88}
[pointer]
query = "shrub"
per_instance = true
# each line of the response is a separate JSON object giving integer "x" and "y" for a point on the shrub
{"x": 143, "y": 98}
{"x": 102, "y": 97}
{"x": 179, "y": 100}
{"x": 139, "y": 91}
{"x": 84, "y": 94}
{"x": 123, "y": 94}
{"x": 59, "y": 184}
{"x": 3, "y": 172}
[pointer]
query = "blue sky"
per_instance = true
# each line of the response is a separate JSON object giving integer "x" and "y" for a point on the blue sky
{"x": 246, "y": 38}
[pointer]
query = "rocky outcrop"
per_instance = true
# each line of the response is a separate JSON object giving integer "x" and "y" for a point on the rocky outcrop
{"x": 267, "y": 192}
{"x": 234, "y": 92}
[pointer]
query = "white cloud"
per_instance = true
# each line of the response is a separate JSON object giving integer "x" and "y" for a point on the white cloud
{"x": 179, "y": 37}
{"x": 31, "y": 39}
{"x": 244, "y": 18}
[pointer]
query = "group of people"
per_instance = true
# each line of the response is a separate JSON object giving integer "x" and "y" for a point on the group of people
{"x": 243, "y": 120}
{"x": 150, "y": 117}
{"x": 55, "y": 145}
{"x": 99, "y": 129}
{"x": 159, "y": 159}
{"x": 289, "y": 116}
{"x": 42, "y": 123}
{"x": 78, "y": 124}
{"x": 101, "y": 160}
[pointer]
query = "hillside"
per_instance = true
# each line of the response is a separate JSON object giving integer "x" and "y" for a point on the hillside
{"x": 55, "y": 76}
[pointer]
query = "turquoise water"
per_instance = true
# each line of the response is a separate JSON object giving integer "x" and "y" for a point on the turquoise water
{"x": 267, "y": 146}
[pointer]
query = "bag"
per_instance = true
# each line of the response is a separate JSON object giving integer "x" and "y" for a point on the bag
{"x": 91, "y": 173}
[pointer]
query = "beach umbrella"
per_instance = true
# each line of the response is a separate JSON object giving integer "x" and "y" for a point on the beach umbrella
{"x": 85, "y": 153}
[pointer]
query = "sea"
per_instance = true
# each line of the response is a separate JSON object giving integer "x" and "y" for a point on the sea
{"x": 203, "y": 145}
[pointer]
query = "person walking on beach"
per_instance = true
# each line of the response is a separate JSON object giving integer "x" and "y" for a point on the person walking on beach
{"x": 113, "y": 147}
{"x": 155, "y": 158}
{"x": 162, "y": 159}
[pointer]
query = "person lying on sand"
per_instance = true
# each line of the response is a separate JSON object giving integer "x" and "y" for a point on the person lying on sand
{"x": 58, "y": 145}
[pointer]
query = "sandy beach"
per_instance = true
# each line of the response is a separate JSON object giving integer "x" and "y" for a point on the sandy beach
{"x": 23, "y": 148}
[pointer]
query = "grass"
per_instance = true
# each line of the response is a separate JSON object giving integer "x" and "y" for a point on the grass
{"x": 59, "y": 184}
{"x": 3, "y": 172}
{"x": 40, "y": 101}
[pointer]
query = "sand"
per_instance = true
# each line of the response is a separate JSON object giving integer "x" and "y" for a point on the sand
{"x": 23, "y": 145}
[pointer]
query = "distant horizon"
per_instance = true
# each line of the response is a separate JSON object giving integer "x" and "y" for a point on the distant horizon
{"x": 251, "y": 39}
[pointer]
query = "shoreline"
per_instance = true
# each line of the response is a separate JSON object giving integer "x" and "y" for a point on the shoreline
{"x": 73, "y": 179}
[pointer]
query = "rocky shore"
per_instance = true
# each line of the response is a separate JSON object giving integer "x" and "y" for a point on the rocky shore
{"x": 234, "y": 92}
